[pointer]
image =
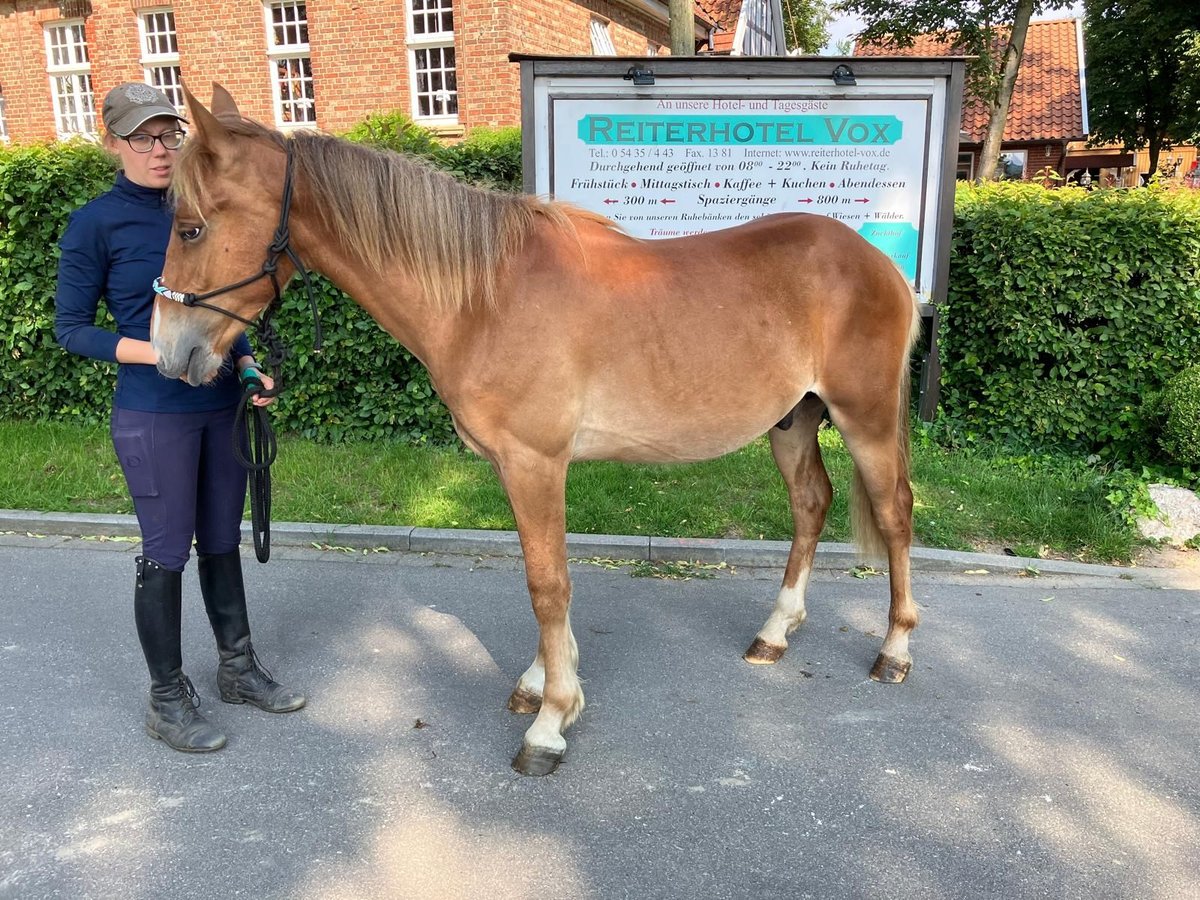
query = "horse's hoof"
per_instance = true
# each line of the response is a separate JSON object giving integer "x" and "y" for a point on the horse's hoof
{"x": 523, "y": 701}
{"x": 537, "y": 760}
{"x": 890, "y": 670}
{"x": 763, "y": 654}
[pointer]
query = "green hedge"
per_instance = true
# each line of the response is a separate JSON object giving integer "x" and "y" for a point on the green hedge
{"x": 39, "y": 187}
{"x": 364, "y": 385}
{"x": 1066, "y": 310}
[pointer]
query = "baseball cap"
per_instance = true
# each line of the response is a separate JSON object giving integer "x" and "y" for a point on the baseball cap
{"x": 129, "y": 105}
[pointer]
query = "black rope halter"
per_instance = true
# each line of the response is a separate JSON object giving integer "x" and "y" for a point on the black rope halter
{"x": 259, "y": 449}
{"x": 281, "y": 243}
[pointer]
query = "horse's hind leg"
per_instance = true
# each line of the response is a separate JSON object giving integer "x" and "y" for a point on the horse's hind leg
{"x": 883, "y": 500}
{"x": 536, "y": 490}
{"x": 798, "y": 456}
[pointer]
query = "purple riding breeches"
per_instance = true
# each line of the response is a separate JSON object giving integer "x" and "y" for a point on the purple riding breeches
{"x": 184, "y": 480}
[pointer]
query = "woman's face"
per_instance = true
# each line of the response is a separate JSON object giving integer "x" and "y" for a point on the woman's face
{"x": 152, "y": 169}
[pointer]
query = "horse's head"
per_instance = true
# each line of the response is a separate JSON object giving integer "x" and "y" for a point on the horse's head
{"x": 228, "y": 187}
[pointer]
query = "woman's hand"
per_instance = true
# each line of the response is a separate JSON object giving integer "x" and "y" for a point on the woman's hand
{"x": 267, "y": 382}
{"x": 247, "y": 369}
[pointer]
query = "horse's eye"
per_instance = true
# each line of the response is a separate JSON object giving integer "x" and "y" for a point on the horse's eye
{"x": 190, "y": 234}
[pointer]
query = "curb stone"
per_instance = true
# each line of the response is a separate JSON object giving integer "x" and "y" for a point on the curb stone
{"x": 411, "y": 539}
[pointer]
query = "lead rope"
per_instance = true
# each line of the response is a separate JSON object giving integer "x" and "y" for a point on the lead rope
{"x": 258, "y": 438}
{"x": 254, "y": 445}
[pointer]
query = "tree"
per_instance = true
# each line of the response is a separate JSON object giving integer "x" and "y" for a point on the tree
{"x": 683, "y": 27}
{"x": 805, "y": 25}
{"x": 1143, "y": 61}
{"x": 991, "y": 31}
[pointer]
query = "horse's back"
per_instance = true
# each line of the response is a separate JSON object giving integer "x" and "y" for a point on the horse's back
{"x": 811, "y": 271}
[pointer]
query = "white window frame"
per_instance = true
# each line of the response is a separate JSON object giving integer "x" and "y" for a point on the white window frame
{"x": 161, "y": 69}
{"x": 3, "y": 123}
{"x": 428, "y": 42}
{"x": 74, "y": 73}
{"x": 602, "y": 42}
{"x": 296, "y": 57}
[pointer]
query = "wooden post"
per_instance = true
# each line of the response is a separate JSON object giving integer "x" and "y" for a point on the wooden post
{"x": 683, "y": 27}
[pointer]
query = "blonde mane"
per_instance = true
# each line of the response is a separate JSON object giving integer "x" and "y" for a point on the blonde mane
{"x": 386, "y": 209}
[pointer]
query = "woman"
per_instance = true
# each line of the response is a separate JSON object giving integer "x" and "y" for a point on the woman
{"x": 174, "y": 441}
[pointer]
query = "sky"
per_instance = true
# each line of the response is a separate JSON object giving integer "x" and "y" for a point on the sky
{"x": 843, "y": 26}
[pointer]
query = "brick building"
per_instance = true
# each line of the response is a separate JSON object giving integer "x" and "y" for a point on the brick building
{"x": 326, "y": 63}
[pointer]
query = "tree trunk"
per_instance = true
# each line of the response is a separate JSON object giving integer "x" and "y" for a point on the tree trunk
{"x": 998, "y": 110}
{"x": 1154, "y": 145}
{"x": 683, "y": 27}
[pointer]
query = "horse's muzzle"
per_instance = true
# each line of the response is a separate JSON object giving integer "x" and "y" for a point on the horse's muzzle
{"x": 196, "y": 366}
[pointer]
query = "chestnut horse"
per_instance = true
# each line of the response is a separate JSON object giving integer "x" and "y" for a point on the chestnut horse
{"x": 552, "y": 336}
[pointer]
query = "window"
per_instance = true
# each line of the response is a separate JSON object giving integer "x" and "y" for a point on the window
{"x": 433, "y": 78}
{"x": 966, "y": 167}
{"x": 1012, "y": 165}
{"x": 160, "y": 53}
{"x": 70, "y": 71}
{"x": 291, "y": 66}
{"x": 602, "y": 44}
{"x": 3, "y": 122}
{"x": 653, "y": 49}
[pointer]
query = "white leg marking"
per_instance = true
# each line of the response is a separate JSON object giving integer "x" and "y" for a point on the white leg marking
{"x": 546, "y": 730}
{"x": 788, "y": 615}
{"x": 534, "y": 679}
{"x": 895, "y": 645}
{"x": 543, "y": 735}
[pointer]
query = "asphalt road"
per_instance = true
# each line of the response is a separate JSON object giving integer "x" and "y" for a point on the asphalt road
{"x": 1045, "y": 744}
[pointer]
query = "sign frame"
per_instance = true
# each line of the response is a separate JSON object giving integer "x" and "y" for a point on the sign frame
{"x": 571, "y": 88}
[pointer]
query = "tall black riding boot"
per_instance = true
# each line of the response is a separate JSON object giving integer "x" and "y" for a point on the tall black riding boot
{"x": 172, "y": 716}
{"x": 241, "y": 678}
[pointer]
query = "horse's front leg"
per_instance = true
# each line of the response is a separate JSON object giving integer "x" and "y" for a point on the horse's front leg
{"x": 527, "y": 695}
{"x": 536, "y": 489}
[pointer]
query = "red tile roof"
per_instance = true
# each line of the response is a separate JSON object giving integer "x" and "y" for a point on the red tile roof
{"x": 724, "y": 12}
{"x": 1047, "y": 98}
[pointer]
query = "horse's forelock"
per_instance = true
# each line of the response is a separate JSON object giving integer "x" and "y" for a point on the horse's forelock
{"x": 197, "y": 162}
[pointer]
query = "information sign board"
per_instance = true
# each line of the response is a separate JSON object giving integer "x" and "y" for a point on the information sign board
{"x": 712, "y": 143}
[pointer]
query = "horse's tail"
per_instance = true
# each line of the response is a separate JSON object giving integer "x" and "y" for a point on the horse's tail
{"x": 862, "y": 522}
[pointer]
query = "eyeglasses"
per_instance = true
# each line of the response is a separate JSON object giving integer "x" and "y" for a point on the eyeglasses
{"x": 144, "y": 143}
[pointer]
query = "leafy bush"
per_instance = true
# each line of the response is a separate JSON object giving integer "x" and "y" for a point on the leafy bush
{"x": 490, "y": 157}
{"x": 396, "y": 132}
{"x": 1180, "y": 404}
{"x": 1065, "y": 308}
{"x": 39, "y": 188}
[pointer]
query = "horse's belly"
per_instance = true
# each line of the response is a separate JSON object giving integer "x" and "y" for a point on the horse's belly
{"x": 663, "y": 441}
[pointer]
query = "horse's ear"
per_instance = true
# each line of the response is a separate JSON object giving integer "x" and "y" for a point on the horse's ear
{"x": 223, "y": 103}
{"x": 205, "y": 127}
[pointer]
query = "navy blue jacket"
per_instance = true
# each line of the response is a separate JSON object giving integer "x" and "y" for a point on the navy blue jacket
{"x": 114, "y": 248}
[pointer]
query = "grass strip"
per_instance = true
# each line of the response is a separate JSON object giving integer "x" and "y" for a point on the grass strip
{"x": 964, "y": 500}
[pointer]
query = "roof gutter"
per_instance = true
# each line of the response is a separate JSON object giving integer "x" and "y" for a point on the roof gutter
{"x": 660, "y": 12}
{"x": 1083, "y": 104}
